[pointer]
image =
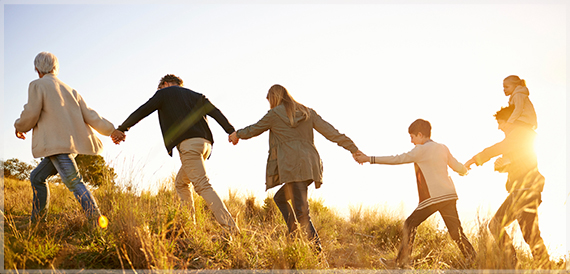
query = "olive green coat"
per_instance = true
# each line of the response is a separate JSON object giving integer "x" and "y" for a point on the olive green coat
{"x": 293, "y": 156}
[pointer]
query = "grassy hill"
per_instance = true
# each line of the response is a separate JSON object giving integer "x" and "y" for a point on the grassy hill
{"x": 155, "y": 232}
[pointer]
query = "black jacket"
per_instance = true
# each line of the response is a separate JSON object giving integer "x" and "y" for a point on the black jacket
{"x": 182, "y": 115}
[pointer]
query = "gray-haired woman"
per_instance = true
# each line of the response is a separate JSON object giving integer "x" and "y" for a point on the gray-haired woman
{"x": 62, "y": 128}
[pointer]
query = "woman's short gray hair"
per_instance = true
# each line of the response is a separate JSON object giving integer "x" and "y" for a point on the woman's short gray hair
{"x": 46, "y": 62}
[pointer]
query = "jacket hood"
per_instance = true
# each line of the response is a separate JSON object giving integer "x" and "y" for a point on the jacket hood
{"x": 521, "y": 90}
{"x": 282, "y": 114}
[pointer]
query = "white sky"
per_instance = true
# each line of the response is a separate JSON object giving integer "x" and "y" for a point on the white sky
{"x": 368, "y": 69}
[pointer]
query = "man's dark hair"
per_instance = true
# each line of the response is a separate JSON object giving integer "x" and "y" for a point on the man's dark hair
{"x": 422, "y": 126}
{"x": 504, "y": 113}
{"x": 170, "y": 78}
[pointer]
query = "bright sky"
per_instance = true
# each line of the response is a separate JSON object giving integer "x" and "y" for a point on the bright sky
{"x": 368, "y": 69}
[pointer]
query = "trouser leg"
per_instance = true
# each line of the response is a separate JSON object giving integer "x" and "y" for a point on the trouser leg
{"x": 284, "y": 206}
{"x": 409, "y": 233}
{"x": 300, "y": 203}
{"x": 448, "y": 211}
{"x": 69, "y": 173}
{"x": 528, "y": 222}
{"x": 40, "y": 200}
{"x": 183, "y": 188}
{"x": 193, "y": 153}
{"x": 504, "y": 216}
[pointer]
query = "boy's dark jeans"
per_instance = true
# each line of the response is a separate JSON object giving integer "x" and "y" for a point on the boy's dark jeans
{"x": 296, "y": 192}
{"x": 521, "y": 206}
{"x": 448, "y": 212}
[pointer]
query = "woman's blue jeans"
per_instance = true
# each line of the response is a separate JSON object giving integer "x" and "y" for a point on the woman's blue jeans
{"x": 65, "y": 165}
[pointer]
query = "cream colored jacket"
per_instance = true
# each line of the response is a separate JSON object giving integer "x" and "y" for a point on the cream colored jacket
{"x": 61, "y": 121}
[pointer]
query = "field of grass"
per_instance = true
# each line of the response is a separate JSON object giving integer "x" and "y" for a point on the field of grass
{"x": 153, "y": 231}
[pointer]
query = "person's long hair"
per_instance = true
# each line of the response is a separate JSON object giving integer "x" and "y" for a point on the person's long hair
{"x": 278, "y": 95}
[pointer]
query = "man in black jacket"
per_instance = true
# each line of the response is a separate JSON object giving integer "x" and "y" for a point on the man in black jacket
{"x": 182, "y": 115}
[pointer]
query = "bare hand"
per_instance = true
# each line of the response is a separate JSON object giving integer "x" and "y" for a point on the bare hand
{"x": 469, "y": 163}
{"x": 360, "y": 157}
{"x": 20, "y": 135}
{"x": 118, "y": 136}
{"x": 233, "y": 138}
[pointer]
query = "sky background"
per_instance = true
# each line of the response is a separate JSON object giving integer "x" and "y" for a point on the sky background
{"x": 369, "y": 69}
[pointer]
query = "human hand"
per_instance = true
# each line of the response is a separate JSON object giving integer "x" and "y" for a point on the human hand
{"x": 233, "y": 138}
{"x": 118, "y": 136}
{"x": 360, "y": 157}
{"x": 20, "y": 135}
{"x": 469, "y": 163}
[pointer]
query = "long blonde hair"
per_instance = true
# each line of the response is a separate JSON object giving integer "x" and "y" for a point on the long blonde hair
{"x": 278, "y": 95}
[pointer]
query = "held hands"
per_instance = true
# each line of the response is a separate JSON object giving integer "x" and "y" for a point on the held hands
{"x": 360, "y": 157}
{"x": 233, "y": 138}
{"x": 20, "y": 135}
{"x": 469, "y": 163}
{"x": 118, "y": 136}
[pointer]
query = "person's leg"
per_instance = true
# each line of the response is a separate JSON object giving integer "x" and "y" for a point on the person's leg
{"x": 183, "y": 188}
{"x": 528, "y": 222}
{"x": 282, "y": 203}
{"x": 193, "y": 153}
{"x": 448, "y": 211}
{"x": 40, "y": 201}
{"x": 409, "y": 233}
{"x": 300, "y": 203}
{"x": 69, "y": 173}
{"x": 504, "y": 216}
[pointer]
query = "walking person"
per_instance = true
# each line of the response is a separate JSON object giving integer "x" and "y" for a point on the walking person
{"x": 293, "y": 160}
{"x": 435, "y": 189}
{"x": 182, "y": 114}
{"x": 524, "y": 187}
{"x": 62, "y": 126}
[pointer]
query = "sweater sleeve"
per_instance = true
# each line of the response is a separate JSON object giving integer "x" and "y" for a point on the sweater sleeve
{"x": 491, "y": 152}
{"x": 518, "y": 101}
{"x": 454, "y": 164}
{"x": 256, "y": 129}
{"x": 143, "y": 111}
{"x": 404, "y": 158}
{"x": 93, "y": 118}
{"x": 32, "y": 110}
{"x": 220, "y": 118}
{"x": 332, "y": 134}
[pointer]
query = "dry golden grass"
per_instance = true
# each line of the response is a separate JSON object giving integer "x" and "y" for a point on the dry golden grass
{"x": 154, "y": 231}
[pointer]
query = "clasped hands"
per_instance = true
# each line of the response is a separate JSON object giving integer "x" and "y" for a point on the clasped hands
{"x": 118, "y": 136}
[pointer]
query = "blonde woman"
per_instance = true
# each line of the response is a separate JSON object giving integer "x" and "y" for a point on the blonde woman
{"x": 293, "y": 158}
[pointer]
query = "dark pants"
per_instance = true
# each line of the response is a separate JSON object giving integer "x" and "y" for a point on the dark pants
{"x": 521, "y": 206}
{"x": 296, "y": 193}
{"x": 449, "y": 214}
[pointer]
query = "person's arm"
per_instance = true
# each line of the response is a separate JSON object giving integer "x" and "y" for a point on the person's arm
{"x": 518, "y": 101}
{"x": 332, "y": 134}
{"x": 143, "y": 111}
{"x": 219, "y": 117}
{"x": 454, "y": 164}
{"x": 489, "y": 153}
{"x": 256, "y": 129}
{"x": 93, "y": 118}
{"x": 32, "y": 110}
{"x": 404, "y": 158}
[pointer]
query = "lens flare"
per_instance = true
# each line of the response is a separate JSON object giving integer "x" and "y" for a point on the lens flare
{"x": 103, "y": 221}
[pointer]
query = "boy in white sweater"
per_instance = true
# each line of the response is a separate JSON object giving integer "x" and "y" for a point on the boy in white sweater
{"x": 435, "y": 188}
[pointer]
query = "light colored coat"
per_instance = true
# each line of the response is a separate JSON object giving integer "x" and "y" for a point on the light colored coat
{"x": 293, "y": 156}
{"x": 430, "y": 162}
{"x": 524, "y": 110}
{"x": 61, "y": 120}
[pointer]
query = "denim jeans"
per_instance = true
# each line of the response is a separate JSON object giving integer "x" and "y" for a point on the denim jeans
{"x": 65, "y": 165}
{"x": 296, "y": 192}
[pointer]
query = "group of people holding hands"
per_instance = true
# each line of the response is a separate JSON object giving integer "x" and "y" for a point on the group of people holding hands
{"x": 63, "y": 126}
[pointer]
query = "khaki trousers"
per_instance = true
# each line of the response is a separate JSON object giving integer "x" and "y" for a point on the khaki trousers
{"x": 193, "y": 153}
